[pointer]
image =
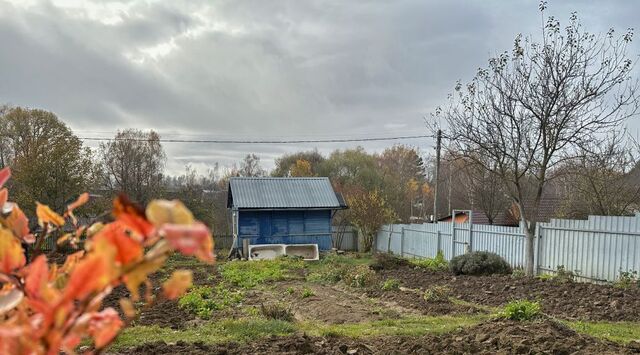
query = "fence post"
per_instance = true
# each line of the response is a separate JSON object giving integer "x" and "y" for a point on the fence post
{"x": 402, "y": 242}
{"x": 536, "y": 255}
{"x": 453, "y": 237}
{"x": 439, "y": 241}
{"x": 470, "y": 231}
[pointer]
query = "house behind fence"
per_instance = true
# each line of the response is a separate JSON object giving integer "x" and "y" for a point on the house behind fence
{"x": 597, "y": 249}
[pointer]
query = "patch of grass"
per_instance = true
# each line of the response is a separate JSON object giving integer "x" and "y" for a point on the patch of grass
{"x": 290, "y": 290}
{"x": 332, "y": 268}
{"x": 204, "y": 300}
{"x": 215, "y": 332}
{"x": 248, "y": 274}
{"x": 437, "y": 294}
{"x": 411, "y": 326}
{"x": 359, "y": 276}
{"x": 621, "y": 332}
{"x": 546, "y": 277}
{"x": 435, "y": 264}
{"x": 307, "y": 292}
{"x": 390, "y": 284}
{"x": 277, "y": 311}
{"x": 521, "y": 310}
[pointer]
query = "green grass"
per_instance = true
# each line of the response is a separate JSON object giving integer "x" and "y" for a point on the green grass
{"x": 249, "y": 274}
{"x": 435, "y": 264}
{"x": 333, "y": 268}
{"x": 215, "y": 332}
{"x": 521, "y": 310}
{"x": 621, "y": 332}
{"x": 410, "y": 326}
{"x": 204, "y": 300}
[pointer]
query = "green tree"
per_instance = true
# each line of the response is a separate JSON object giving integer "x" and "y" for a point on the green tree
{"x": 368, "y": 212}
{"x": 49, "y": 163}
{"x": 285, "y": 163}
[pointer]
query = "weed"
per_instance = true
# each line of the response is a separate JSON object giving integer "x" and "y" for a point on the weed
{"x": 277, "y": 311}
{"x": 563, "y": 275}
{"x": 290, "y": 290}
{"x": 327, "y": 276}
{"x": 627, "y": 279}
{"x": 518, "y": 273}
{"x": 307, "y": 292}
{"x": 521, "y": 310}
{"x": 248, "y": 274}
{"x": 204, "y": 300}
{"x": 546, "y": 277}
{"x": 437, "y": 294}
{"x": 390, "y": 284}
{"x": 435, "y": 264}
{"x": 360, "y": 276}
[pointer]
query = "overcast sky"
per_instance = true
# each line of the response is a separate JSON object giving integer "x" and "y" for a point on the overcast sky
{"x": 260, "y": 69}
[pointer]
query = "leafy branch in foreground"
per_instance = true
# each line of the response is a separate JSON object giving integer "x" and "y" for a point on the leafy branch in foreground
{"x": 46, "y": 308}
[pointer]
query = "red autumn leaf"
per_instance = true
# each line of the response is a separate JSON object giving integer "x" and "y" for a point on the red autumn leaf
{"x": 194, "y": 239}
{"x": 5, "y": 174}
{"x": 104, "y": 326}
{"x": 47, "y": 215}
{"x": 132, "y": 215}
{"x": 71, "y": 261}
{"x": 82, "y": 199}
{"x": 177, "y": 284}
{"x": 37, "y": 277}
{"x": 127, "y": 250}
{"x": 11, "y": 253}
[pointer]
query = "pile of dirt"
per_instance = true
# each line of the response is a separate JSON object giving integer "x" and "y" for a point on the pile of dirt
{"x": 414, "y": 301}
{"x": 574, "y": 300}
{"x": 493, "y": 337}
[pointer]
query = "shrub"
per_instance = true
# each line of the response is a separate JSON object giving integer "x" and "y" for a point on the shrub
{"x": 479, "y": 263}
{"x": 521, "y": 310}
{"x": 627, "y": 279}
{"x": 307, "y": 292}
{"x": 437, "y": 294}
{"x": 360, "y": 276}
{"x": 435, "y": 264}
{"x": 390, "y": 284}
{"x": 277, "y": 311}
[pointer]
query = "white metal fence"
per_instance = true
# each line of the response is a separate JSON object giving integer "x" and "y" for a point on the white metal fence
{"x": 597, "y": 248}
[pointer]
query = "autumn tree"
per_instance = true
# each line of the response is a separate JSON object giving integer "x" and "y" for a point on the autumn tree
{"x": 531, "y": 109}
{"x": 285, "y": 163}
{"x": 302, "y": 168}
{"x": 402, "y": 171}
{"x": 368, "y": 211}
{"x": 50, "y": 164}
{"x": 133, "y": 163}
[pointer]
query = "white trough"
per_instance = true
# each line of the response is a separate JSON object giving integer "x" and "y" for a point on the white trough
{"x": 272, "y": 251}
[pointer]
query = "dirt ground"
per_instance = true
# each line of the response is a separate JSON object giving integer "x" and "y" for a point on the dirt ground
{"x": 494, "y": 337}
{"x": 565, "y": 300}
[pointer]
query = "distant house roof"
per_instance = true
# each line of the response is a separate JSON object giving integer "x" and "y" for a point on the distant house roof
{"x": 282, "y": 193}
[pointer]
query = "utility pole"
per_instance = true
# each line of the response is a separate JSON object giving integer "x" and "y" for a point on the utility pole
{"x": 435, "y": 191}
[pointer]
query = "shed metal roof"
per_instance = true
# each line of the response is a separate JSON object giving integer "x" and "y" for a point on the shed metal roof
{"x": 282, "y": 193}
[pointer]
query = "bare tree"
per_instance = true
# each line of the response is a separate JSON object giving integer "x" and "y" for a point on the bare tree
{"x": 530, "y": 110}
{"x": 604, "y": 181}
{"x": 133, "y": 163}
{"x": 250, "y": 167}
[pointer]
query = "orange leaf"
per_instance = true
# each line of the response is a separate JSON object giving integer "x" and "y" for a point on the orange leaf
{"x": 127, "y": 307}
{"x": 90, "y": 275}
{"x": 71, "y": 261}
{"x": 194, "y": 239}
{"x": 139, "y": 274}
{"x": 132, "y": 216}
{"x": 11, "y": 253}
{"x": 104, "y": 326}
{"x": 47, "y": 215}
{"x": 37, "y": 277}
{"x": 82, "y": 199}
{"x": 160, "y": 212}
{"x": 127, "y": 250}
{"x": 178, "y": 284}
{"x": 5, "y": 174}
{"x": 18, "y": 223}
{"x": 4, "y": 196}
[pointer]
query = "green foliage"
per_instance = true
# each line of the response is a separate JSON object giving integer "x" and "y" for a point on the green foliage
{"x": 204, "y": 300}
{"x": 521, "y": 310}
{"x": 277, "y": 311}
{"x": 621, "y": 332}
{"x": 290, "y": 290}
{"x": 332, "y": 268}
{"x": 390, "y": 284}
{"x": 437, "y": 294}
{"x": 563, "y": 275}
{"x": 546, "y": 277}
{"x": 479, "y": 263}
{"x": 435, "y": 264}
{"x": 248, "y": 274}
{"x": 627, "y": 279}
{"x": 518, "y": 273}
{"x": 360, "y": 276}
{"x": 307, "y": 292}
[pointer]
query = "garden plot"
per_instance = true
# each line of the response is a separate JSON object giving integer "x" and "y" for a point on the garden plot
{"x": 362, "y": 305}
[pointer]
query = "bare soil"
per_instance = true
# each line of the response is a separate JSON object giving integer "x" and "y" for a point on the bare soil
{"x": 494, "y": 337}
{"x": 572, "y": 300}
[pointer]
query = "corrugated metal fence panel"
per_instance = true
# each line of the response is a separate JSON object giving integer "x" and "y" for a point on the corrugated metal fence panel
{"x": 508, "y": 242}
{"x": 598, "y": 248}
{"x": 349, "y": 238}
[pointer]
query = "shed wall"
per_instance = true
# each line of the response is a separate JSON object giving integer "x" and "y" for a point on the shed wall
{"x": 286, "y": 227}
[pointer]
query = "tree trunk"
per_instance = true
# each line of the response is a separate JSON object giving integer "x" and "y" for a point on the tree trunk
{"x": 530, "y": 248}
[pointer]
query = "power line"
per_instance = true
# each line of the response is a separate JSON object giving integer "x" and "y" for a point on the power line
{"x": 242, "y": 141}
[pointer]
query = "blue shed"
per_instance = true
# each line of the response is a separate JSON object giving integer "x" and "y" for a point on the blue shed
{"x": 269, "y": 210}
